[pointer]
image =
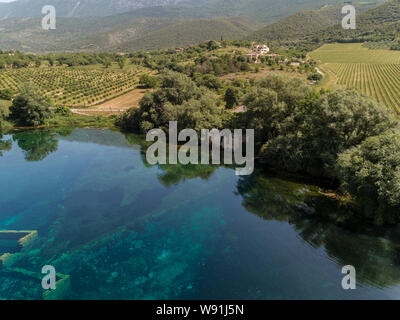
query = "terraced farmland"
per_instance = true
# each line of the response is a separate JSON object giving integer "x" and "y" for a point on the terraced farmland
{"x": 375, "y": 73}
{"x": 75, "y": 86}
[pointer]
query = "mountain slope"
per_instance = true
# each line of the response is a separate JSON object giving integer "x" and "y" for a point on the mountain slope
{"x": 193, "y": 31}
{"x": 265, "y": 11}
{"x": 379, "y": 24}
{"x": 120, "y": 32}
{"x": 75, "y": 34}
{"x": 304, "y": 23}
{"x": 76, "y": 8}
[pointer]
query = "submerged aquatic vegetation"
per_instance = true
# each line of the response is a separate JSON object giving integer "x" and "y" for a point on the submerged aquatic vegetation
{"x": 116, "y": 228}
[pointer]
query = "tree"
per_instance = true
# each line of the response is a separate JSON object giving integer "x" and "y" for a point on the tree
{"x": 30, "y": 107}
{"x": 212, "y": 45}
{"x": 107, "y": 62}
{"x": 178, "y": 99}
{"x": 202, "y": 113}
{"x": 208, "y": 80}
{"x": 148, "y": 81}
{"x": 303, "y": 131}
{"x": 178, "y": 87}
{"x": 232, "y": 97}
{"x": 371, "y": 172}
{"x": 315, "y": 77}
{"x": 121, "y": 62}
{"x": 312, "y": 135}
{"x": 7, "y": 94}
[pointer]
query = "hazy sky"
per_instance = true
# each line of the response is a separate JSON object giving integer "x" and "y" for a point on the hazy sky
{"x": 6, "y": 0}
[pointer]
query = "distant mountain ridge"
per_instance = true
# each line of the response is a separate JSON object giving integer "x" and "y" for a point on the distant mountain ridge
{"x": 119, "y": 33}
{"x": 76, "y": 8}
{"x": 193, "y": 31}
{"x": 378, "y": 24}
{"x": 157, "y": 24}
{"x": 265, "y": 11}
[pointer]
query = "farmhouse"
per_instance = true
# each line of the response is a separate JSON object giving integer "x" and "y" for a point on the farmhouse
{"x": 261, "y": 49}
{"x": 258, "y": 50}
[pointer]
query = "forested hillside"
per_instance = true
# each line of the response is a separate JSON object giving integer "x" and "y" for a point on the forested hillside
{"x": 190, "y": 32}
{"x": 263, "y": 10}
{"x": 119, "y": 33}
{"x": 305, "y": 23}
{"x": 76, "y": 8}
{"x": 379, "y": 24}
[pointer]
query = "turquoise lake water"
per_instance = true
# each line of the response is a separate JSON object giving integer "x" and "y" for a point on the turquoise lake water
{"x": 115, "y": 227}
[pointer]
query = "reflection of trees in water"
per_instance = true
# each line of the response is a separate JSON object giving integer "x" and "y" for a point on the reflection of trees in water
{"x": 374, "y": 252}
{"x": 319, "y": 221}
{"x": 37, "y": 144}
{"x": 173, "y": 174}
{"x": 5, "y": 145}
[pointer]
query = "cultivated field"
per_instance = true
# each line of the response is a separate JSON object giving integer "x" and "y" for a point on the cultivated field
{"x": 125, "y": 101}
{"x": 375, "y": 73}
{"x": 78, "y": 86}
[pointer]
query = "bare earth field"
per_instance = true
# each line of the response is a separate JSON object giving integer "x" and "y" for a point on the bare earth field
{"x": 126, "y": 101}
{"x": 116, "y": 105}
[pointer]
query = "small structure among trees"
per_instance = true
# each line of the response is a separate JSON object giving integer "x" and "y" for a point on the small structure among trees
{"x": 258, "y": 50}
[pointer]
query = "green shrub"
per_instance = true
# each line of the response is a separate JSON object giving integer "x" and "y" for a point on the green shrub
{"x": 30, "y": 107}
{"x": 7, "y": 94}
{"x": 4, "y": 110}
{"x": 371, "y": 173}
{"x": 315, "y": 77}
{"x": 63, "y": 111}
{"x": 148, "y": 81}
{"x": 232, "y": 97}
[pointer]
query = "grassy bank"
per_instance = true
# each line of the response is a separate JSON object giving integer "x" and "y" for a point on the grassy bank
{"x": 72, "y": 120}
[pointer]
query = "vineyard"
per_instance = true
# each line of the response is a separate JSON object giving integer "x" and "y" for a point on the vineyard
{"x": 375, "y": 73}
{"x": 75, "y": 86}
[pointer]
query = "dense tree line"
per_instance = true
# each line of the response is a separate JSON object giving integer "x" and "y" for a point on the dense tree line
{"x": 341, "y": 136}
{"x": 18, "y": 60}
{"x": 177, "y": 99}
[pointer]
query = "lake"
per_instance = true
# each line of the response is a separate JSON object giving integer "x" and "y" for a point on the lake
{"x": 86, "y": 202}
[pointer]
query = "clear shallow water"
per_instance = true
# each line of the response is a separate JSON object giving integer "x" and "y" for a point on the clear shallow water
{"x": 121, "y": 229}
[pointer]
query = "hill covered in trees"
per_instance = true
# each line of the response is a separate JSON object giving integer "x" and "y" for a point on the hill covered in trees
{"x": 193, "y": 31}
{"x": 265, "y": 11}
{"x": 75, "y": 8}
{"x": 119, "y": 33}
{"x": 158, "y": 24}
{"x": 378, "y": 24}
{"x": 305, "y": 23}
